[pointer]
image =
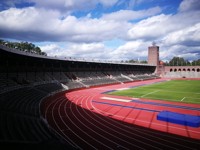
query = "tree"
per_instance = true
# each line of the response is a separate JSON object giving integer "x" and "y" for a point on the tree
{"x": 23, "y": 46}
{"x": 143, "y": 62}
{"x": 177, "y": 61}
{"x": 196, "y": 62}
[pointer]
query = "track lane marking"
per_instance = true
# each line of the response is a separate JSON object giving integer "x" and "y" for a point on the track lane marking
{"x": 116, "y": 99}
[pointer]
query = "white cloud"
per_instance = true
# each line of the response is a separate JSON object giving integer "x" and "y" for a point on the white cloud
{"x": 54, "y": 50}
{"x": 130, "y": 4}
{"x": 65, "y": 5}
{"x": 126, "y": 15}
{"x": 28, "y": 19}
{"x": 72, "y": 5}
{"x": 74, "y": 50}
{"x": 38, "y": 24}
{"x": 5, "y": 4}
{"x": 108, "y": 2}
{"x": 188, "y": 53}
{"x": 156, "y": 27}
{"x": 98, "y": 51}
{"x": 150, "y": 28}
{"x": 131, "y": 50}
{"x": 93, "y": 30}
{"x": 189, "y": 36}
{"x": 189, "y": 5}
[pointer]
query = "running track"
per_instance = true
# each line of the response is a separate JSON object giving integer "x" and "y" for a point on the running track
{"x": 86, "y": 121}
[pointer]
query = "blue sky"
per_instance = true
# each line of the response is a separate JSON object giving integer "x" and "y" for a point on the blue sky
{"x": 104, "y": 29}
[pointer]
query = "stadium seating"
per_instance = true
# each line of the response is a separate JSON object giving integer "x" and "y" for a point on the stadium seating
{"x": 25, "y": 80}
{"x": 20, "y": 117}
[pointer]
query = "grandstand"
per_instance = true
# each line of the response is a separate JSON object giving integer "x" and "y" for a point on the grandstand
{"x": 19, "y": 68}
{"x": 30, "y": 83}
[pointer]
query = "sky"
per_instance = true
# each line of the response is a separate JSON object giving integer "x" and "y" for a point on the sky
{"x": 104, "y": 29}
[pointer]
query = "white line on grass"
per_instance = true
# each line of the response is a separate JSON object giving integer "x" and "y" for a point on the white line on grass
{"x": 149, "y": 93}
{"x": 193, "y": 97}
{"x": 180, "y": 92}
{"x": 183, "y": 98}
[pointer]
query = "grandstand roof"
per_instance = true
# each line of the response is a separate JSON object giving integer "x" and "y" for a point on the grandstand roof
{"x": 15, "y": 51}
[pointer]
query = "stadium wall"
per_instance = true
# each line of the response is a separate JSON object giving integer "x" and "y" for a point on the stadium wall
{"x": 182, "y": 68}
{"x": 182, "y": 71}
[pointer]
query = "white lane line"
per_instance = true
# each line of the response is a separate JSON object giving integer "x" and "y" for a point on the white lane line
{"x": 158, "y": 124}
{"x": 116, "y": 99}
{"x": 150, "y": 93}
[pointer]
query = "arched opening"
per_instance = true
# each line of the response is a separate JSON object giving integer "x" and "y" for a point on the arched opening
{"x": 179, "y": 69}
{"x": 188, "y": 69}
{"x": 198, "y": 70}
{"x": 171, "y": 70}
{"x": 184, "y": 69}
{"x": 193, "y": 69}
{"x": 175, "y": 70}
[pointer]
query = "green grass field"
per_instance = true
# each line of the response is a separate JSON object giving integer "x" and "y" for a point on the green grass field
{"x": 187, "y": 91}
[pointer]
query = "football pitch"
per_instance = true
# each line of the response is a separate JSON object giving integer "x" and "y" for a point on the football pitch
{"x": 187, "y": 91}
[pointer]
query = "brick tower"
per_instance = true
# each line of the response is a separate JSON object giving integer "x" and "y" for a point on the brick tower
{"x": 153, "y": 55}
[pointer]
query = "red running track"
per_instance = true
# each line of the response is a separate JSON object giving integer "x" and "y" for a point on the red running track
{"x": 86, "y": 121}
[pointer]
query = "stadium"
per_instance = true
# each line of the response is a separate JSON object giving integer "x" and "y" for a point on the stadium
{"x": 54, "y": 103}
